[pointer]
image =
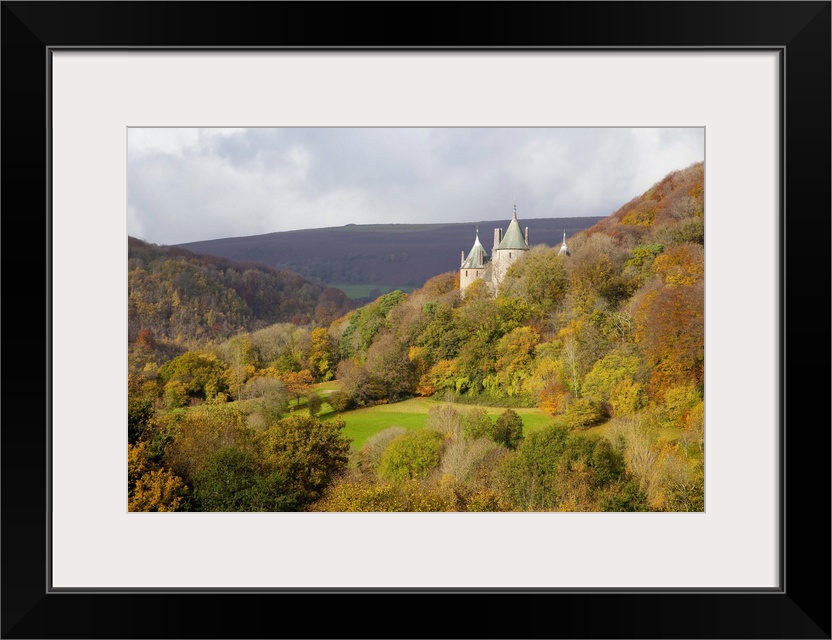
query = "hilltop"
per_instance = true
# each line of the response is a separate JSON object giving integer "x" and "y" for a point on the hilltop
{"x": 384, "y": 255}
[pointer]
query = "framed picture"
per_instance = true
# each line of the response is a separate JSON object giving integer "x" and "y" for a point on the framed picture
{"x": 756, "y": 76}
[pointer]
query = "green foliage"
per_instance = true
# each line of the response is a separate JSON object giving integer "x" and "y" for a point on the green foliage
{"x": 555, "y": 470}
{"x": 514, "y": 359}
{"x": 199, "y": 432}
{"x": 442, "y": 336}
{"x": 643, "y": 255}
{"x": 313, "y": 403}
{"x": 233, "y": 481}
{"x": 367, "y": 322}
{"x": 508, "y": 429}
{"x": 139, "y": 413}
{"x": 411, "y": 455}
{"x": 476, "y": 423}
{"x": 539, "y": 279}
{"x": 389, "y": 367}
{"x": 369, "y": 456}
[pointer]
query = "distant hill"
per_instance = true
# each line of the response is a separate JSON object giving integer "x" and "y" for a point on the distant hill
{"x": 384, "y": 255}
{"x": 177, "y": 295}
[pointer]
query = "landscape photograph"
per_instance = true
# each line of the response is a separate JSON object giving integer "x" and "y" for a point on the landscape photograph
{"x": 505, "y": 319}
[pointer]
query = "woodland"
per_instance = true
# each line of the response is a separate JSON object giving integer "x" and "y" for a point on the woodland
{"x": 245, "y": 380}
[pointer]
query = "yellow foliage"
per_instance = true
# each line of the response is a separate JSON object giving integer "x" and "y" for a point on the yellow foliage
{"x": 627, "y": 397}
{"x": 641, "y": 215}
{"x": 137, "y": 463}
{"x": 681, "y": 265}
{"x": 158, "y": 490}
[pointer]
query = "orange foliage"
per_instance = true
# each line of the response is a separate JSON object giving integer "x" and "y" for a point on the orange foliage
{"x": 684, "y": 264}
{"x": 670, "y": 326}
{"x": 553, "y": 398}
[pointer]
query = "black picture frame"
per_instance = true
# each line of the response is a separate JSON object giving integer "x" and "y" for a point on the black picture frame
{"x": 799, "y": 31}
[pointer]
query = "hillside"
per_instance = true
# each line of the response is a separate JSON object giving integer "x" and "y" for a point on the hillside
{"x": 384, "y": 255}
{"x": 670, "y": 212}
{"x": 175, "y": 294}
{"x": 583, "y": 376}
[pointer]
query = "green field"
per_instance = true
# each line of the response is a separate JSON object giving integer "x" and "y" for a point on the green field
{"x": 356, "y": 291}
{"x": 412, "y": 414}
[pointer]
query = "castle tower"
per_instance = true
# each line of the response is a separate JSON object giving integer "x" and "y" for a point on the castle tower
{"x": 474, "y": 265}
{"x": 511, "y": 248}
{"x": 563, "y": 250}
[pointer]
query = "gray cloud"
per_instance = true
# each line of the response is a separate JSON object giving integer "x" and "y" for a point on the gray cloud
{"x": 196, "y": 184}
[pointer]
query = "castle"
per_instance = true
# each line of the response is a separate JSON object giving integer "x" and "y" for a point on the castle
{"x": 508, "y": 248}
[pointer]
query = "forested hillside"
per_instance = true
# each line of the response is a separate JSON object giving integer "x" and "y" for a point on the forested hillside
{"x": 176, "y": 296}
{"x": 608, "y": 342}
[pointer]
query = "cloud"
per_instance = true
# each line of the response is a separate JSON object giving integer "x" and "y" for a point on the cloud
{"x": 196, "y": 184}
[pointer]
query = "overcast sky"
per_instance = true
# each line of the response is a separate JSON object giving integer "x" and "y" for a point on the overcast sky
{"x": 194, "y": 184}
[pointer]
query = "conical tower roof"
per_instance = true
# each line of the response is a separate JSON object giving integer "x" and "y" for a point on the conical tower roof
{"x": 514, "y": 238}
{"x": 477, "y": 257}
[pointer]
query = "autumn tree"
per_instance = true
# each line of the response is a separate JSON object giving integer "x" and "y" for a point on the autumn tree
{"x": 445, "y": 420}
{"x": 514, "y": 353}
{"x": 670, "y": 329}
{"x": 157, "y": 490}
{"x": 322, "y": 356}
{"x": 680, "y": 265}
{"x": 269, "y": 399}
{"x": 388, "y": 366}
{"x": 298, "y": 384}
{"x": 239, "y": 356}
{"x": 608, "y": 372}
{"x": 201, "y": 432}
{"x": 339, "y": 401}
{"x": 193, "y": 375}
{"x": 307, "y": 452}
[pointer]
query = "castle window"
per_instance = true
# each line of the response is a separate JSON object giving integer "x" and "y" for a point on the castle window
{"x": 509, "y": 254}
{"x": 466, "y": 274}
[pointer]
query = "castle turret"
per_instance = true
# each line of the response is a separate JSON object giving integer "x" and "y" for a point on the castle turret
{"x": 513, "y": 245}
{"x": 474, "y": 265}
{"x": 563, "y": 250}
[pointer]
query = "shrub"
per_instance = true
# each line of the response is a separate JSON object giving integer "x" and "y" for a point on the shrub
{"x": 411, "y": 455}
{"x": 508, "y": 429}
{"x": 445, "y": 419}
{"x": 584, "y": 413}
{"x": 476, "y": 424}
{"x": 313, "y": 403}
{"x": 370, "y": 454}
{"x": 339, "y": 401}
